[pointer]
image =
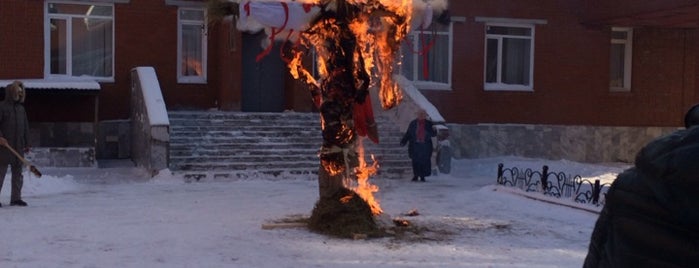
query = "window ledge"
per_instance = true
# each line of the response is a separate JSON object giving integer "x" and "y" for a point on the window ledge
{"x": 619, "y": 90}
{"x": 104, "y": 1}
{"x": 424, "y": 85}
{"x": 191, "y": 81}
{"x": 506, "y": 87}
{"x": 183, "y": 3}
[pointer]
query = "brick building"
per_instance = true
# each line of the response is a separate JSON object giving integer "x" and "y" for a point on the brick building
{"x": 609, "y": 63}
{"x": 593, "y": 63}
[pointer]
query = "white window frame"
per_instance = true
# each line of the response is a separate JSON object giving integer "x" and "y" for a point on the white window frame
{"x": 68, "y": 18}
{"x": 499, "y": 85}
{"x": 192, "y": 79}
{"x": 415, "y": 59}
{"x": 628, "y": 56}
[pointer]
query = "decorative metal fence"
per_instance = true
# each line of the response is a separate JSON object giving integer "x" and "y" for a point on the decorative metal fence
{"x": 556, "y": 184}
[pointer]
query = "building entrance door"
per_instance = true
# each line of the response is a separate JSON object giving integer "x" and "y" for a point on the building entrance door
{"x": 263, "y": 81}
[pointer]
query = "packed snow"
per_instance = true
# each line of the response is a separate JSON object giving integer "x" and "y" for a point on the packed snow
{"x": 119, "y": 217}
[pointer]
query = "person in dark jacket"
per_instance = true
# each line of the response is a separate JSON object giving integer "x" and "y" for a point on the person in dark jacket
{"x": 14, "y": 128}
{"x": 651, "y": 214}
{"x": 418, "y": 136}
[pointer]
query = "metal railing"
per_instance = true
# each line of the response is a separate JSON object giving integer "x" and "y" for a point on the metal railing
{"x": 556, "y": 184}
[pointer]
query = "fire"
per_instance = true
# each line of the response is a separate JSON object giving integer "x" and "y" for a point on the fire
{"x": 355, "y": 45}
{"x": 378, "y": 32}
{"x": 297, "y": 72}
{"x": 363, "y": 187}
{"x": 365, "y": 45}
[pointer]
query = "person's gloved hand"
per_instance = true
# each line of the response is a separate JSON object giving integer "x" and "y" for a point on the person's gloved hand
{"x": 3, "y": 141}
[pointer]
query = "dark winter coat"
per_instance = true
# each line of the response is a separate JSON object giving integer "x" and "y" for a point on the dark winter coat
{"x": 420, "y": 151}
{"x": 651, "y": 214}
{"x": 14, "y": 126}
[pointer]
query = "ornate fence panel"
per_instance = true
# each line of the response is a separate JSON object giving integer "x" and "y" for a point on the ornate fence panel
{"x": 556, "y": 184}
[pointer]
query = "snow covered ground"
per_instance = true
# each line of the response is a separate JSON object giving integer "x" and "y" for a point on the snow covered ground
{"x": 117, "y": 217}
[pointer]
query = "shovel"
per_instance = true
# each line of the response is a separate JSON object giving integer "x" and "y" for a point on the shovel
{"x": 32, "y": 168}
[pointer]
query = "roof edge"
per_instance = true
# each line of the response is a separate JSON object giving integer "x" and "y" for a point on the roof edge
{"x": 55, "y": 84}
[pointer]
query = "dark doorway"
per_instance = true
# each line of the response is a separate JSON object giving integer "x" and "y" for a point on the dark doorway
{"x": 263, "y": 81}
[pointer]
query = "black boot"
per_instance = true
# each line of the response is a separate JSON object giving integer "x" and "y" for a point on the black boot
{"x": 414, "y": 178}
{"x": 18, "y": 203}
{"x": 422, "y": 179}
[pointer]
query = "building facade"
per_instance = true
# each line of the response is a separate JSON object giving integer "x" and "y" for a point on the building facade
{"x": 606, "y": 63}
{"x": 571, "y": 63}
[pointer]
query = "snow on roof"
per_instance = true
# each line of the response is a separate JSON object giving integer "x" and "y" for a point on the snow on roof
{"x": 56, "y": 84}
{"x": 419, "y": 99}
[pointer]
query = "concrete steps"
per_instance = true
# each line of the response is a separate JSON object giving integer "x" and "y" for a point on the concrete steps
{"x": 235, "y": 145}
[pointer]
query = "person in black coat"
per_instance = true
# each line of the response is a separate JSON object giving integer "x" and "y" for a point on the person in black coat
{"x": 14, "y": 128}
{"x": 418, "y": 136}
{"x": 651, "y": 214}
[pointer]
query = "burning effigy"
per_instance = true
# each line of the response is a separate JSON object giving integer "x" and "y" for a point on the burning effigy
{"x": 355, "y": 45}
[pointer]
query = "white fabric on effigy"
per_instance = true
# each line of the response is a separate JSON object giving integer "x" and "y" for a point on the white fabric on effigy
{"x": 281, "y": 15}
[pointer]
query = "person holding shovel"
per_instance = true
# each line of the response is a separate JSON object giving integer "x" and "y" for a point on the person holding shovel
{"x": 14, "y": 128}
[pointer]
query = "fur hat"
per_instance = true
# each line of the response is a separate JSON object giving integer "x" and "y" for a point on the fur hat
{"x": 15, "y": 90}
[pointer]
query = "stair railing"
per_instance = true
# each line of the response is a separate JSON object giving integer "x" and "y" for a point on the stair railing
{"x": 150, "y": 125}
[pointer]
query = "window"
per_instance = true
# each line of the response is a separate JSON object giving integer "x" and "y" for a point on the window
{"x": 79, "y": 40}
{"x": 427, "y": 56}
{"x": 191, "y": 46}
{"x": 509, "y": 53}
{"x": 620, "y": 59}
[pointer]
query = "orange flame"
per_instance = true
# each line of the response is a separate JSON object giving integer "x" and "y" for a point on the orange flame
{"x": 379, "y": 31}
{"x": 346, "y": 199}
{"x": 297, "y": 71}
{"x": 363, "y": 187}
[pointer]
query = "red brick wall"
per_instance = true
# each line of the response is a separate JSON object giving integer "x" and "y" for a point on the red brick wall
{"x": 605, "y": 9}
{"x": 145, "y": 35}
{"x": 22, "y": 57}
{"x": 21, "y": 39}
{"x": 571, "y": 68}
